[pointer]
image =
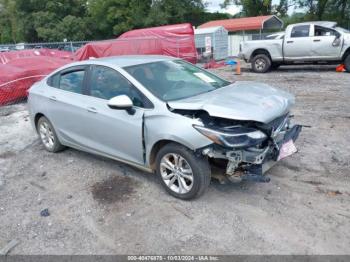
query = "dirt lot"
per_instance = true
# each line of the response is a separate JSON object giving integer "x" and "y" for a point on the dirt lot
{"x": 100, "y": 206}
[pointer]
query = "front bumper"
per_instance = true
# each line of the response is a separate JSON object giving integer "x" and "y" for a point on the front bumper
{"x": 256, "y": 172}
{"x": 253, "y": 163}
{"x": 242, "y": 56}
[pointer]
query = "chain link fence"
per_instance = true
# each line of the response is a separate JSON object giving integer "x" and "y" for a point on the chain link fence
{"x": 63, "y": 46}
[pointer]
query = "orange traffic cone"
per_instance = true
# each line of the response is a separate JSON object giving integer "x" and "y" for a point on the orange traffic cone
{"x": 340, "y": 68}
{"x": 238, "y": 68}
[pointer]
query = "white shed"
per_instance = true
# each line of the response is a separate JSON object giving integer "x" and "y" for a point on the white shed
{"x": 217, "y": 37}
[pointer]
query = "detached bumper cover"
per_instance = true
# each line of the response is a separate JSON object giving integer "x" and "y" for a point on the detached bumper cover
{"x": 255, "y": 172}
{"x": 293, "y": 133}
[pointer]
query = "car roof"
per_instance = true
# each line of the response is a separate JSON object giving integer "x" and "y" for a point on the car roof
{"x": 127, "y": 60}
{"x": 328, "y": 24}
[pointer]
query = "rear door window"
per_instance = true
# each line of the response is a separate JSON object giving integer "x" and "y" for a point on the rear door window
{"x": 72, "y": 81}
{"x": 322, "y": 31}
{"x": 54, "y": 81}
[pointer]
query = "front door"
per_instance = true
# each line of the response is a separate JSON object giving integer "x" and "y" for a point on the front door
{"x": 117, "y": 133}
{"x": 297, "y": 45}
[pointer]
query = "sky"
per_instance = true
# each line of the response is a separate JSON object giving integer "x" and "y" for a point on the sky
{"x": 214, "y": 6}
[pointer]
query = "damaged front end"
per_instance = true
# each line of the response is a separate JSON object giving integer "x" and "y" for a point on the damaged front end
{"x": 247, "y": 149}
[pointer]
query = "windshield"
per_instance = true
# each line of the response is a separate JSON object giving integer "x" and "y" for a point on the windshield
{"x": 176, "y": 79}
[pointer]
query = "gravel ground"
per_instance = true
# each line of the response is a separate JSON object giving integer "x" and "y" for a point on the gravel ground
{"x": 100, "y": 206}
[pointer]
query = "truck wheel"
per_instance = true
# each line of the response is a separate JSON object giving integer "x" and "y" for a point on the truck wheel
{"x": 182, "y": 173}
{"x": 347, "y": 63}
{"x": 261, "y": 63}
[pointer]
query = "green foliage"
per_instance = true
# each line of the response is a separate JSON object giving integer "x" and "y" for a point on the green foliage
{"x": 334, "y": 10}
{"x": 55, "y": 20}
{"x": 174, "y": 11}
{"x": 37, "y": 20}
{"x": 113, "y": 17}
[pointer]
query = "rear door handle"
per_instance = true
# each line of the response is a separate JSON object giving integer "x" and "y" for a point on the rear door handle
{"x": 53, "y": 98}
{"x": 317, "y": 40}
{"x": 289, "y": 42}
{"x": 92, "y": 110}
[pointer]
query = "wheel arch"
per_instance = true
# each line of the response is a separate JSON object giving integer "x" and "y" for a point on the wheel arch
{"x": 259, "y": 52}
{"x": 346, "y": 53}
{"x": 36, "y": 119}
{"x": 156, "y": 147}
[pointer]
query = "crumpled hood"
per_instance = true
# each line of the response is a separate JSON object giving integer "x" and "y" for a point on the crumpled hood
{"x": 240, "y": 101}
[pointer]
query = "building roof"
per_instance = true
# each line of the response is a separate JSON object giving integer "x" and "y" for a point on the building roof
{"x": 247, "y": 23}
{"x": 207, "y": 30}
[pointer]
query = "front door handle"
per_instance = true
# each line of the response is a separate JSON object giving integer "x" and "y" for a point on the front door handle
{"x": 92, "y": 110}
{"x": 289, "y": 42}
{"x": 53, "y": 98}
{"x": 317, "y": 40}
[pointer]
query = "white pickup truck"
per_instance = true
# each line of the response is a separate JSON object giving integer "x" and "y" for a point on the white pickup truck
{"x": 310, "y": 42}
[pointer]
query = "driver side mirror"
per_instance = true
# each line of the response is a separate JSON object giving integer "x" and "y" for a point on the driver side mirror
{"x": 122, "y": 102}
{"x": 336, "y": 42}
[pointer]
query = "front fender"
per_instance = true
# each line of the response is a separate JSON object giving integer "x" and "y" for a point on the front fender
{"x": 173, "y": 127}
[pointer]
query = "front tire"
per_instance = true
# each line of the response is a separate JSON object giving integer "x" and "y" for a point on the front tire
{"x": 261, "y": 63}
{"x": 183, "y": 174}
{"x": 347, "y": 63}
{"x": 48, "y": 135}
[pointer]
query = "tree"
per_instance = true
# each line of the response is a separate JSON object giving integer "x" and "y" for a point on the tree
{"x": 334, "y": 10}
{"x": 113, "y": 17}
{"x": 173, "y": 11}
{"x": 37, "y": 20}
{"x": 10, "y": 26}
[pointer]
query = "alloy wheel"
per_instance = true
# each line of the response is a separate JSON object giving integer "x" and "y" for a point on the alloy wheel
{"x": 260, "y": 64}
{"x": 46, "y": 135}
{"x": 176, "y": 173}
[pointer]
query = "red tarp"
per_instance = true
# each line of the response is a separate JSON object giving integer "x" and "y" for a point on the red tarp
{"x": 172, "y": 40}
{"x": 145, "y": 46}
{"x": 19, "y": 74}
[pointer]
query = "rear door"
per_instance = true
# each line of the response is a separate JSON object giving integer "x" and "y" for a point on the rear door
{"x": 326, "y": 43}
{"x": 67, "y": 104}
{"x": 298, "y": 43}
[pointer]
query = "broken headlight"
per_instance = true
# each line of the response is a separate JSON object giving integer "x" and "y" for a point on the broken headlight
{"x": 236, "y": 137}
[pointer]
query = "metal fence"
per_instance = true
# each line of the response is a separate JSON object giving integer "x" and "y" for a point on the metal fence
{"x": 71, "y": 46}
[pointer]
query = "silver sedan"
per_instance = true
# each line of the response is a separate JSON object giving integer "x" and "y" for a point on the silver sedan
{"x": 167, "y": 116}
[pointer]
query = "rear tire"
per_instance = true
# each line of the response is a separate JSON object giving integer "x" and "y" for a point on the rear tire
{"x": 347, "y": 63}
{"x": 261, "y": 63}
{"x": 183, "y": 174}
{"x": 48, "y": 135}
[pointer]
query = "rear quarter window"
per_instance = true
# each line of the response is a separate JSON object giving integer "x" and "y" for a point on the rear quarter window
{"x": 54, "y": 81}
